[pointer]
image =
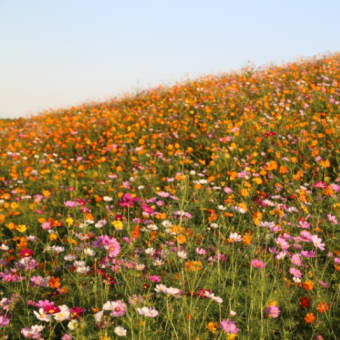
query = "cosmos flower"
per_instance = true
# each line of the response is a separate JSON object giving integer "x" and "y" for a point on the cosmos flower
{"x": 148, "y": 312}
{"x": 120, "y": 331}
{"x": 258, "y": 263}
{"x": 229, "y": 326}
{"x": 272, "y": 311}
{"x": 4, "y": 320}
{"x": 318, "y": 242}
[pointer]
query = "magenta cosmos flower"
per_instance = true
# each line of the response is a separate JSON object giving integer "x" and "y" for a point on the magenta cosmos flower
{"x": 258, "y": 263}
{"x": 229, "y": 326}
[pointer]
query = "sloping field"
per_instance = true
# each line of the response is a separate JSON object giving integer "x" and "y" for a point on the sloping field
{"x": 206, "y": 210}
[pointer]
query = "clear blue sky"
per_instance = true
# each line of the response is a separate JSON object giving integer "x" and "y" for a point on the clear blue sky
{"x": 60, "y": 53}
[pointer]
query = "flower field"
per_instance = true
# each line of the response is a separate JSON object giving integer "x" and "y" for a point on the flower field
{"x": 205, "y": 210}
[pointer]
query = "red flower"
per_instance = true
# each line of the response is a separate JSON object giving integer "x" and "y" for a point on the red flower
{"x": 50, "y": 308}
{"x": 26, "y": 252}
{"x": 76, "y": 312}
{"x": 304, "y": 302}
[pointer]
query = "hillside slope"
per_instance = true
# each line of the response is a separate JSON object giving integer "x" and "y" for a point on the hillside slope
{"x": 225, "y": 189}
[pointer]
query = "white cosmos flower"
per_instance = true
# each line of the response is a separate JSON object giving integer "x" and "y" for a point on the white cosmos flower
{"x": 148, "y": 312}
{"x": 70, "y": 257}
{"x": 152, "y": 227}
{"x": 89, "y": 252}
{"x": 140, "y": 266}
{"x": 157, "y": 262}
{"x": 120, "y": 331}
{"x": 64, "y": 313}
{"x": 72, "y": 325}
{"x": 166, "y": 224}
{"x": 149, "y": 251}
{"x": 173, "y": 291}
{"x": 182, "y": 254}
{"x": 4, "y": 247}
{"x": 98, "y": 316}
{"x": 160, "y": 288}
{"x": 100, "y": 223}
{"x": 235, "y": 237}
{"x": 42, "y": 316}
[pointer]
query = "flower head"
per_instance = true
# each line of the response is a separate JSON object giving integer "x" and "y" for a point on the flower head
{"x": 258, "y": 263}
{"x": 272, "y": 311}
{"x": 229, "y": 326}
{"x": 148, "y": 312}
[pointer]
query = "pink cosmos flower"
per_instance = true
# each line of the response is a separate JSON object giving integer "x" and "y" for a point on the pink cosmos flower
{"x": 9, "y": 277}
{"x": 38, "y": 280}
{"x": 317, "y": 242}
{"x": 67, "y": 337}
{"x": 320, "y": 185}
{"x": 282, "y": 243}
{"x": 303, "y": 224}
{"x": 295, "y": 272}
{"x": 258, "y": 263}
{"x": 227, "y": 190}
{"x": 33, "y": 332}
{"x": 295, "y": 259}
{"x": 46, "y": 225}
{"x": 128, "y": 201}
{"x": 118, "y": 308}
{"x": 71, "y": 204}
{"x": 200, "y": 251}
{"x": 109, "y": 243}
{"x": 147, "y": 209}
{"x": 229, "y": 326}
{"x": 323, "y": 284}
{"x": 332, "y": 219}
{"x": 272, "y": 311}
{"x": 114, "y": 248}
{"x": 4, "y": 320}
{"x": 305, "y": 236}
{"x": 154, "y": 278}
{"x": 308, "y": 253}
{"x": 163, "y": 194}
{"x": 180, "y": 213}
{"x": 335, "y": 187}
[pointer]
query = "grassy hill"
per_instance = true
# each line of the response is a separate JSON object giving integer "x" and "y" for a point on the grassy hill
{"x": 206, "y": 210}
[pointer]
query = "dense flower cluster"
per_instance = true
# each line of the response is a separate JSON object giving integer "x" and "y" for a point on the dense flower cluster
{"x": 207, "y": 209}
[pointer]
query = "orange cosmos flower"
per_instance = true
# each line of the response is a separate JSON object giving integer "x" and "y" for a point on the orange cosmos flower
{"x": 193, "y": 266}
{"x": 246, "y": 238}
{"x": 309, "y": 318}
{"x": 308, "y": 285}
{"x": 135, "y": 233}
{"x": 322, "y": 307}
{"x": 212, "y": 327}
{"x": 54, "y": 282}
{"x": 181, "y": 239}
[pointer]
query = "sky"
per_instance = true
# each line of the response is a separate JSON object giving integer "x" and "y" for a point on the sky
{"x": 55, "y": 54}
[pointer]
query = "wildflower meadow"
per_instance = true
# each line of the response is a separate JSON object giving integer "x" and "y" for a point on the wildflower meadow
{"x": 205, "y": 210}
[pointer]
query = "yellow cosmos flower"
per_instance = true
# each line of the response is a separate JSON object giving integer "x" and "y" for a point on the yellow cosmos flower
{"x": 21, "y": 228}
{"x": 118, "y": 225}
{"x": 69, "y": 221}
